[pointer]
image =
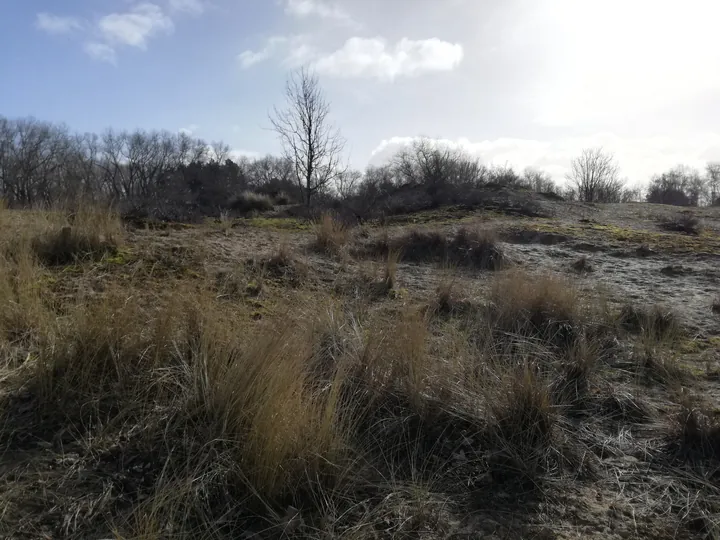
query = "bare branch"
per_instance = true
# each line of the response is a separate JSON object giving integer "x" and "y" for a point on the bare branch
{"x": 309, "y": 141}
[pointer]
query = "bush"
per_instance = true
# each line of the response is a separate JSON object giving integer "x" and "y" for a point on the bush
{"x": 282, "y": 199}
{"x": 248, "y": 201}
{"x": 583, "y": 266}
{"x": 475, "y": 248}
{"x": 684, "y": 222}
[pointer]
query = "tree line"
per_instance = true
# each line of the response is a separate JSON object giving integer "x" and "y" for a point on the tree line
{"x": 177, "y": 176}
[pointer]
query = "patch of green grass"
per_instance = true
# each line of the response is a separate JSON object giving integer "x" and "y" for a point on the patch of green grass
{"x": 398, "y": 294}
{"x": 439, "y": 216}
{"x": 120, "y": 257}
{"x": 707, "y": 242}
{"x": 284, "y": 224}
{"x": 694, "y": 345}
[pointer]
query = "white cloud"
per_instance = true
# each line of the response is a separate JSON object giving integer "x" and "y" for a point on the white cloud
{"x": 250, "y": 58}
{"x": 101, "y": 51}
{"x": 605, "y": 61}
{"x": 193, "y": 7}
{"x": 134, "y": 27}
{"x": 319, "y": 8}
{"x": 639, "y": 157}
{"x": 188, "y": 130}
{"x": 372, "y": 58}
{"x": 56, "y": 24}
{"x": 238, "y": 155}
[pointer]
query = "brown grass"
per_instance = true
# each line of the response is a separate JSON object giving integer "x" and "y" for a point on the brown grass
{"x": 697, "y": 431}
{"x": 523, "y": 424}
{"x": 542, "y": 306}
{"x": 158, "y": 407}
{"x": 390, "y": 273}
{"x": 474, "y": 247}
{"x": 87, "y": 235}
{"x": 331, "y": 235}
{"x": 656, "y": 322}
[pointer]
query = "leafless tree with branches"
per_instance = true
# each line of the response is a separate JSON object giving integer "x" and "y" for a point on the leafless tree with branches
{"x": 712, "y": 173}
{"x": 308, "y": 139}
{"x": 595, "y": 176}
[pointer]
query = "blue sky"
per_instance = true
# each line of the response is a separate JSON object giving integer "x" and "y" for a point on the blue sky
{"x": 529, "y": 82}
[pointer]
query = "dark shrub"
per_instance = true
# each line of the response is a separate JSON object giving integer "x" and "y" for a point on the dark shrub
{"x": 684, "y": 222}
{"x": 249, "y": 201}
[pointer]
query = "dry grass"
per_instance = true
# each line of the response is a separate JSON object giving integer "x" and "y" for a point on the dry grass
{"x": 390, "y": 272}
{"x": 523, "y": 425}
{"x": 155, "y": 409}
{"x": 655, "y": 323}
{"x": 87, "y": 234}
{"x": 546, "y": 307}
{"x": 474, "y": 247}
{"x": 331, "y": 235}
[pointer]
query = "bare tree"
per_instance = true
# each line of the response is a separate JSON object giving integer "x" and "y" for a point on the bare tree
{"x": 595, "y": 176}
{"x": 712, "y": 174}
{"x": 679, "y": 186}
{"x": 538, "y": 181}
{"x": 347, "y": 183}
{"x": 430, "y": 163}
{"x": 308, "y": 139}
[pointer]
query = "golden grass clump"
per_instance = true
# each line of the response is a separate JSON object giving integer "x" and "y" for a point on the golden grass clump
{"x": 546, "y": 307}
{"x": 331, "y": 235}
{"x": 86, "y": 235}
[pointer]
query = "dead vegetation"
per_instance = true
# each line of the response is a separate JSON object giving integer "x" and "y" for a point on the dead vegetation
{"x": 472, "y": 247}
{"x": 331, "y": 234}
{"x": 657, "y": 322}
{"x": 85, "y": 235}
{"x": 160, "y": 406}
{"x": 684, "y": 222}
{"x": 545, "y": 307}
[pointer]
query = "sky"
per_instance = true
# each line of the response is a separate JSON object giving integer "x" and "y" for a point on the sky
{"x": 519, "y": 82}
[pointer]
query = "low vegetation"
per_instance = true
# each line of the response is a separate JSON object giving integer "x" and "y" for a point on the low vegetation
{"x": 684, "y": 222}
{"x": 247, "y": 201}
{"x": 258, "y": 395}
{"x": 473, "y": 247}
{"x": 331, "y": 234}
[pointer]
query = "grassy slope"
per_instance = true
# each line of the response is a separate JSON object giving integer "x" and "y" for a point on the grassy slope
{"x": 214, "y": 381}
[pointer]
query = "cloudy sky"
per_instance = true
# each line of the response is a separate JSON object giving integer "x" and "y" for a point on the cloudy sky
{"x": 524, "y": 82}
